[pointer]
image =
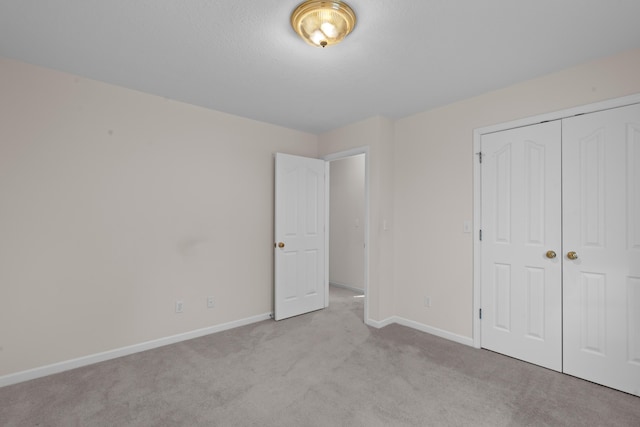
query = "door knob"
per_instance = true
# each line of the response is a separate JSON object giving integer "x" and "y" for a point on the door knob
{"x": 551, "y": 254}
{"x": 572, "y": 255}
{"x": 281, "y": 245}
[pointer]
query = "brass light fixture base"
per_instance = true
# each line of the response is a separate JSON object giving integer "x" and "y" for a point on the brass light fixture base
{"x": 323, "y": 23}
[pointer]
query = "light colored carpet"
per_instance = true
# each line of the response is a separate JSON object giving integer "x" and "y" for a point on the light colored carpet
{"x": 322, "y": 369}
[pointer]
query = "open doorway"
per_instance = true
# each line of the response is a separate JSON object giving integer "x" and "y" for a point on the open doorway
{"x": 348, "y": 225}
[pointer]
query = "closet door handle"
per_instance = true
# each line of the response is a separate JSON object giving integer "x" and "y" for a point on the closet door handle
{"x": 572, "y": 255}
{"x": 551, "y": 254}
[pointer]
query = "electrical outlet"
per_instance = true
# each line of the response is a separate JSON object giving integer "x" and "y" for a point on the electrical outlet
{"x": 427, "y": 301}
{"x": 210, "y": 303}
{"x": 179, "y": 306}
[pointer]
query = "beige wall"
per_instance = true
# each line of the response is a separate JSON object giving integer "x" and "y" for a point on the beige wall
{"x": 114, "y": 204}
{"x": 346, "y": 240}
{"x": 434, "y": 184}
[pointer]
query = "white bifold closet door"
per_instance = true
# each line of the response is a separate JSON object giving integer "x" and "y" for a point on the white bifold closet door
{"x": 521, "y": 212}
{"x": 560, "y": 265}
{"x": 601, "y": 224}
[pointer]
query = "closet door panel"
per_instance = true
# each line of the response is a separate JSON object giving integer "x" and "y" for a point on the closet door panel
{"x": 521, "y": 208}
{"x": 601, "y": 259}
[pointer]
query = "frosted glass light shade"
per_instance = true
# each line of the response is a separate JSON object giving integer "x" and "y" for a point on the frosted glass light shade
{"x": 323, "y": 23}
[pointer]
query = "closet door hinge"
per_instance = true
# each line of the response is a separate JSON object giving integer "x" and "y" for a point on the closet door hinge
{"x": 480, "y": 236}
{"x": 479, "y": 153}
{"x": 480, "y": 314}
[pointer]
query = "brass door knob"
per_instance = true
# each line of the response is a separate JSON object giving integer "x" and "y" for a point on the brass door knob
{"x": 281, "y": 245}
{"x": 551, "y": 254}
{"x": 572, "y": 255}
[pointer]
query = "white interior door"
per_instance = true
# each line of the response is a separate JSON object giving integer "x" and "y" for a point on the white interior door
{"x": 521, "y": 284}
{"x": 601, "y": 208}
{"x": 300, "y": 282}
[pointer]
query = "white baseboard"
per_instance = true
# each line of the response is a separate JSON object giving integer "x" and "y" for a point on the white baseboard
{"x": 380, "y": 323}
{"x": 435, "y": 331}
{"x": 55, "y": 368}
{"x": 421, "y": 327}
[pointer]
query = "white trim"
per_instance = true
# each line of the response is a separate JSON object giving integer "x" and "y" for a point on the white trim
{"x": 434, "y": 331}
{"x": 422, "y": 328}
{"x": 79, "y": 362}
{"x": 327, "y": 229}
{"x": 378, "y": 324}
{"x": 477, "y": 223}
{"x": 477, "y": 195}
{"x": 562, "y": 114}
{"x": 342, "y": 155}
{"x": 348, "y": 287}
{"x": 347, "y": 153}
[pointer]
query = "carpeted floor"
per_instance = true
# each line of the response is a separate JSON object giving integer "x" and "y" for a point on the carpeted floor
{"x": 322, "y": 369}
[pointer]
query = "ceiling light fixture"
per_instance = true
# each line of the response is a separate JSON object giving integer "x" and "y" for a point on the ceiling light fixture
{"x": 323, "y": 23}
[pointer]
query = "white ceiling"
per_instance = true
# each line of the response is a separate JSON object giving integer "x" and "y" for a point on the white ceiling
{"x": 242, "y": 57}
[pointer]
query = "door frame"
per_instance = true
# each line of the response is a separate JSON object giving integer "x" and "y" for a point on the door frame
{"x": 328, "y": 159}
{"x": 477, "y": 184}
